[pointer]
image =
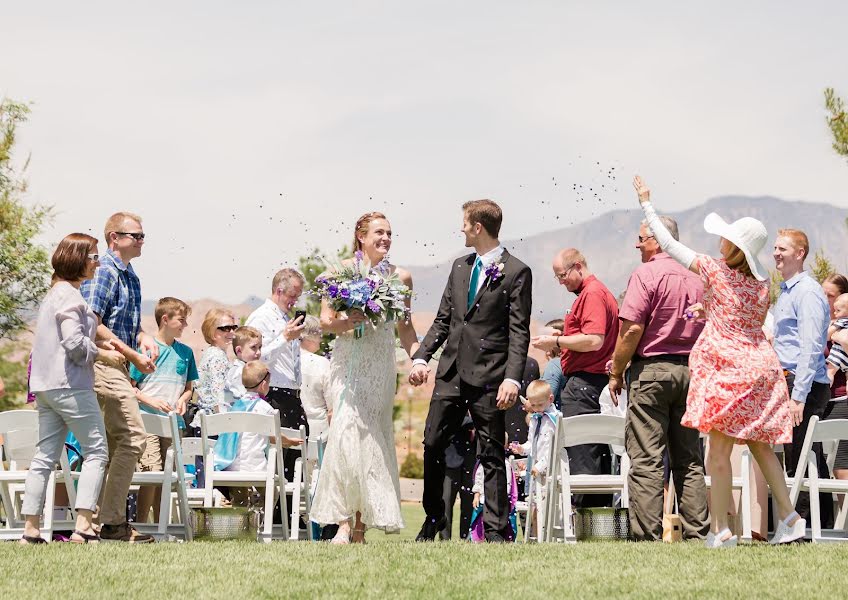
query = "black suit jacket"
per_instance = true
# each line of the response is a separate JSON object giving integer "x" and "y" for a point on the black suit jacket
{"x": 488, "y": 342}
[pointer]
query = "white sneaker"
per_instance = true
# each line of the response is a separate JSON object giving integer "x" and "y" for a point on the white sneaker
{"x": 716, "y": 540}
{"x": 786, "y": 533}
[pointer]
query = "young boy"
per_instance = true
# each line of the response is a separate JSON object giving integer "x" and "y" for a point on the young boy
{"x": 167, "y": 389}
{"x": 837, "y": 359}
{"x": 540, "y": 436}
{"x": 247, "y": 346}
{"x": 476, "y": 533}
{"x": 246, "y": 451}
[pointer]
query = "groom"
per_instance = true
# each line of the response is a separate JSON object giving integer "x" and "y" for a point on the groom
{"x": 484, "y": 324}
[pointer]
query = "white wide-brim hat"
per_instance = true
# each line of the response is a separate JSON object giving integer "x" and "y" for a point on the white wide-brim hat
{"x": 747, "y": 234}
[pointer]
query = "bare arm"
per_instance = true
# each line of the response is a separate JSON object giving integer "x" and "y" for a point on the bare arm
{"x": 629, "y": 336}
{"x": 406, "y": 332}
{"x": 336, "y": 323}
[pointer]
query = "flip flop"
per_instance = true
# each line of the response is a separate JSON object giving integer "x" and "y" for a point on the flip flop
{"x": 33, "y": 539}
{"x": 87, "y": 538}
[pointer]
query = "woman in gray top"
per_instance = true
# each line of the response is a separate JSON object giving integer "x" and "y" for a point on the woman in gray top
{"x": 62, "y": 379}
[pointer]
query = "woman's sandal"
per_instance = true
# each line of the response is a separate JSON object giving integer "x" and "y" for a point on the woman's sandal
{"x": 357, "y": 536}
{"x": 33, "y": 539}
{"x": 86, "y": 538}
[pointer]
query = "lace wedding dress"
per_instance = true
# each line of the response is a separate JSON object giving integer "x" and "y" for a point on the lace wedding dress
{"x": 360, "y": 472}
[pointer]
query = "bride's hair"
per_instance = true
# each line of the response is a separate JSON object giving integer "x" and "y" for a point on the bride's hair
{"x": 362, "y": 227}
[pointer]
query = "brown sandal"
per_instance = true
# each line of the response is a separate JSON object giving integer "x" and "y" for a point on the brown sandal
{"x": 87, "y": 538}
{"x": 33, "y": 539}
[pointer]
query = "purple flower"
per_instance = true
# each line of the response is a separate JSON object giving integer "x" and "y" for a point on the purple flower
{"x": 333, "y": 290}
{"x": 358, "y": 254}
{"x": 345, "y": 293}
{"x": 494, "y": 271}
{"x": 374, "y": 306}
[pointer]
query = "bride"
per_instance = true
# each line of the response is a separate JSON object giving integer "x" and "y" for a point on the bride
{"x": 358, "y": 481}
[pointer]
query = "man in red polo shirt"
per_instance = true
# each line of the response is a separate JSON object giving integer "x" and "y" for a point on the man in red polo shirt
{"x": 587, "y": 343}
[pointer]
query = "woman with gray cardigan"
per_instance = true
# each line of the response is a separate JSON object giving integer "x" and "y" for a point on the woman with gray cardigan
{"x": 62, "y": 379}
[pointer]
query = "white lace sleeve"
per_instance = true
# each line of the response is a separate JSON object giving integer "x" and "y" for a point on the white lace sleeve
{"x": 679, "y": 252}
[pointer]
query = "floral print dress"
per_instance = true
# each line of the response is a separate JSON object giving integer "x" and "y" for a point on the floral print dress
{"x": 736, "y": 384}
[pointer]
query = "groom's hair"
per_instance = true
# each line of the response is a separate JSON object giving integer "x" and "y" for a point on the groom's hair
{"x": 485, "y": 212}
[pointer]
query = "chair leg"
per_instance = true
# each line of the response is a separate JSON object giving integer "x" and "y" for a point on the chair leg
{"x": 49, "y": 505}
{"x": 295, "y": 501}
{"x": 815, "y": 509}
{"x": 268, "y": 521}
{"x": 746, "y": 501}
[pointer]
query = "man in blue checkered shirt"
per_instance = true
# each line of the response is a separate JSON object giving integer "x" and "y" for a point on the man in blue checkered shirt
{"x": 115, "y": 296}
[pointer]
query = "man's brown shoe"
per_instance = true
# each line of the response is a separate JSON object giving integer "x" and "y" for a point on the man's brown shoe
{"x": 124, "y": 533}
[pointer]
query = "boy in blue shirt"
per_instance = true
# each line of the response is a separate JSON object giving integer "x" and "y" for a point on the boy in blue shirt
{"x": 167, "y": 389}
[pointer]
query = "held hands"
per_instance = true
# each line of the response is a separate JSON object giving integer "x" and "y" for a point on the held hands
{"x": 147, "y": 345}
{"x": 293, "y": 329}
{"x": 507, "y": 395}
{"x": 642, "y": 190}
{"x": 418, "y": 375}
{"x": 142, "y": 362}
{"x": 545, "y": 343}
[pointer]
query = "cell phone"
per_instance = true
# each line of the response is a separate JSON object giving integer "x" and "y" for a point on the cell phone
{"x": 299, "y": 313}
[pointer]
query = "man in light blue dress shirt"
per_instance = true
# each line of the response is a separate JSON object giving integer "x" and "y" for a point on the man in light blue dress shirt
{"x": 802, "y": 316}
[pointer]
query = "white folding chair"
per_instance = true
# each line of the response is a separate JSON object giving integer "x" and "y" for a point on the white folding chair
{"x": 19, "y": 432}
{"x": 270, "y": 479}
{"x": 820, "y": 431}
{"x": 172, "y": 480}
{"x": 192, "y": 448}
{"x": 574, "y": 431}
{"x": 741, "y": 484}
{"x": 299, "y": 487}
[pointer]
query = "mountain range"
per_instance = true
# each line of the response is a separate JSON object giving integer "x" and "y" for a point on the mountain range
{"x": 608, "y": 243}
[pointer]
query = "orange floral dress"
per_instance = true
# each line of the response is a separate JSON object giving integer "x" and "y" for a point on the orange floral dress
{"x": 736, "y": 381}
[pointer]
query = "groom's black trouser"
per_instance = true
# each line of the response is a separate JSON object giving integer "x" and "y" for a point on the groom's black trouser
{"x": 452, "y": 398}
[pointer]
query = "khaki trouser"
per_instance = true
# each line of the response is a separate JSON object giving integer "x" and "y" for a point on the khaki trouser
{"x": 656, "y": 403}
{"x": 125, "y": 435}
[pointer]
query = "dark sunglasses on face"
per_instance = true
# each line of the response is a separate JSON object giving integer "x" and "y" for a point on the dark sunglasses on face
{"x": 227, "y": 327}
{"x": 136, "y": 236}
{"x": 643, "y": 239}
{"x": 93, "y": 257}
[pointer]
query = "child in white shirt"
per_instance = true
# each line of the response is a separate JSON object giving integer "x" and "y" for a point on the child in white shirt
{"x": 247, "y": 346}
{"x": 540, "y": 435}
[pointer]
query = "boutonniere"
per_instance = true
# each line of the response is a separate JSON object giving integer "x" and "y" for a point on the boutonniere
{"x": 494, "y": 271}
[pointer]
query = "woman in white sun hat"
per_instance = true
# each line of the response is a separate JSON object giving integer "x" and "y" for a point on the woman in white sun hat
{"x": 737, "y": 391}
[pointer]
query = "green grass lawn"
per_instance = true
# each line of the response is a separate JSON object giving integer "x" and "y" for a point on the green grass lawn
{"x": 394, "y": 566}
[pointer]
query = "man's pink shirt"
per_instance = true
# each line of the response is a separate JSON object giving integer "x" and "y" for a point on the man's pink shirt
{"x": 658, "y": 294}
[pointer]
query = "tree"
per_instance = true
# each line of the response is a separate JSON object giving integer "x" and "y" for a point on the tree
{"x": 822, "y": 267}
{"x": 24, "y": 265}
{"x": 837, "y": 121}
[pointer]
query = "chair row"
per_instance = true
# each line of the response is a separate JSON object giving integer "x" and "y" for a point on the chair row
{"x": 19, "y": 431}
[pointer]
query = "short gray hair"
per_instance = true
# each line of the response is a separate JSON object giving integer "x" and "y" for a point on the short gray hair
{"x": 669, "y": 223}
{"x": 283, "y": 277}
{"x": 312, "y": 328}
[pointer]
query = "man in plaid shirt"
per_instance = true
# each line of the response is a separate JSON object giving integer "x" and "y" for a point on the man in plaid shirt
{"x": 115, "y": 296}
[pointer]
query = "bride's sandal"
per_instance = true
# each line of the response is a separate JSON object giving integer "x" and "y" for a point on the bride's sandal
{"x": 343, "y": 536}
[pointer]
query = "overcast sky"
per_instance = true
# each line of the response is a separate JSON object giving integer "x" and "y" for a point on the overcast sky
{"x": 246, "y": 133}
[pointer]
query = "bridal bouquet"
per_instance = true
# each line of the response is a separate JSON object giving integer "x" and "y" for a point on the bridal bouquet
{"x": 378, "y": 293}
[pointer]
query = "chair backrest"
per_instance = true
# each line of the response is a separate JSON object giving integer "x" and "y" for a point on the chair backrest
{"x": 193, "y": 446}
{"x": 156, "y": 424}
{"x": 297, "y": 434}
{"x": 833, "y": 430}
{"x": 19, "y": 435}
{"x": 590, "y": 429}
{"x": 238, "y": 422}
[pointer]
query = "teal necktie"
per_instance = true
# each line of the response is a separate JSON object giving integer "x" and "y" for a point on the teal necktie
{"x": 475, "y": 278}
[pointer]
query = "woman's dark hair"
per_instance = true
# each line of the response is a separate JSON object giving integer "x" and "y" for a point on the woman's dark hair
{"x": 839, "y": 280}
{"x": 71, "y": 257}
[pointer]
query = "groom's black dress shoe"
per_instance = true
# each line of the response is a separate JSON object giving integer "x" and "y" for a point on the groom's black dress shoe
{"x": 495, "y": 538}
{"x": 430, "y": 529}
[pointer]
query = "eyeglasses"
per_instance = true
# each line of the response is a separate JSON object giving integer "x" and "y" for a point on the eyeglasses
{"x": 93, "y": 257}
{"x": 139, "y": 237}
{"x": 227, "y": 327}
{"x": 562, "y": 276}
{"x": 642, "y": 239}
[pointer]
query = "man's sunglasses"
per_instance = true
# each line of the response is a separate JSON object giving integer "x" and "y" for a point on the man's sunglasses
{"x": 227, "y": 327}
{"x": 136, "y": 236}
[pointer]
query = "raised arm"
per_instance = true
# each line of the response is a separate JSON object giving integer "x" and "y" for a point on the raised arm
{"x": 679, "y": 252}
